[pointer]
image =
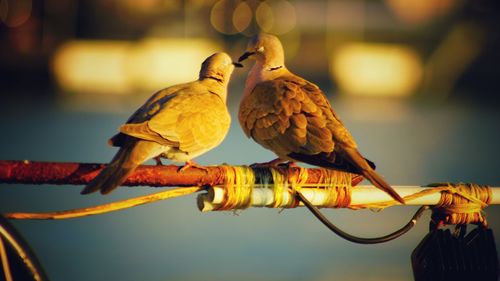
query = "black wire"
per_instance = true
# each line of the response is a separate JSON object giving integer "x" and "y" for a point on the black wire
{"x": 30, "y": 255}
{"x": 360, "y": 240}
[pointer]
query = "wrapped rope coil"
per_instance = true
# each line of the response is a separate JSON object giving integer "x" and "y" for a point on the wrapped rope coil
{"x": 275, "y": 187}
{"x": 462, "y": 203}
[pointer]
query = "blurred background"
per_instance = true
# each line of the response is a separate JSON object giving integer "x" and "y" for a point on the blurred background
{"x": 415, "y": 81}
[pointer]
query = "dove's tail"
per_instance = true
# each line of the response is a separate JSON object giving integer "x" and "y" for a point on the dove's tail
{"x": 370, "y": 174}
{"x": 380, "y": 183}
{"x": 115, "y": 173}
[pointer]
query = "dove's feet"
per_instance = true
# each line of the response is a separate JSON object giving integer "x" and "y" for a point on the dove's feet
{"x": 191, "y": 164}
{"x": 158, "y": 161}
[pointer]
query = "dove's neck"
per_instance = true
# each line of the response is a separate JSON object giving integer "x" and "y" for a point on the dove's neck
{"x": 261, "y": 72}
{"x": 216, "y": 87}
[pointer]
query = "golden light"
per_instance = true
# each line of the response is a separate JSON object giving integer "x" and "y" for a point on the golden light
{"x": 117, "y": 67}
{"x": 376, "y": 69}
{"x": 264, "y": 17}
{"x": 242, "y": 16}
{"x": 286, "y": 18}
{"x": 276, "y": 16}
{"x": 145, "y": 6}
{"x": 157, "y": 63}
{"x": 92, "y": 66}
{"x": 221, "y": 16}
{"x": 419, "y": 11}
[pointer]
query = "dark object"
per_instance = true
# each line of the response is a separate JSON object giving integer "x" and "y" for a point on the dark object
{"x": 442, "y": 255}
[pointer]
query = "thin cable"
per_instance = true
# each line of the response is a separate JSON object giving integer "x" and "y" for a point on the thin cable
{"x": 23, "y": 250}
{"x": 360, "y": 240}
{"x": 5, "y": 261}
{"x": 106, "y": 208}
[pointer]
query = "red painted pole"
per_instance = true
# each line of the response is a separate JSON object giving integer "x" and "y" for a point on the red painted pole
{"x": 58, "y": 173}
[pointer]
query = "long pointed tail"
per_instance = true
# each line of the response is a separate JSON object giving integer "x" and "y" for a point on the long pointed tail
{"x": 379, "y": 182}
{"x": 114, "y": 174}
{"x": 370, "y": 174}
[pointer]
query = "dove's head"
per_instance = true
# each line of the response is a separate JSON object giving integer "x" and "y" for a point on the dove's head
{"x": 266, "y": 49}
{"x": 218, "y": 67}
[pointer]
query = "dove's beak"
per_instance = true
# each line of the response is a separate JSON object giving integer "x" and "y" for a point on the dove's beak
{"x": 237, "y": 64}
{"x": 245, "y": 56}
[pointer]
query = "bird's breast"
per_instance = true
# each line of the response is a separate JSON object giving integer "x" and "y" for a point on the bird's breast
{"x": 255, "y": 76}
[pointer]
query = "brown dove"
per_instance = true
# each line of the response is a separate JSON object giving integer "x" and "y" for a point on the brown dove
{"x": 293, "y": 118}
{"x": 178, "y": 123}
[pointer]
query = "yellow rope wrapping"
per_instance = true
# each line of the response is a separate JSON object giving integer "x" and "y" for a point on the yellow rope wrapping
{"x": 463, "y": 204}
{"x": 296, "y": 180}
{"x": 241, "y": 180}
{"x": 239, "y": 186}
{"x": 280, "y": 186}
{"x": 339, "y": 190}
{"x": 337, "y": 184}
{"x": 459, "y": 204}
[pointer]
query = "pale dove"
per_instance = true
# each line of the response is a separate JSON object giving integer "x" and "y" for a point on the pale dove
{"x": 178, "y": 123}
{"x": 292, "y": 117}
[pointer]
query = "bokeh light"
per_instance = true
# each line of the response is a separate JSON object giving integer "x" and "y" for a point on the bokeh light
{"x": 376, "y": 69}
{"x": 242, "y": 16}
{"x": 117, "y": 67}
{"x": 264, "y": 17}
{"x": 277, "y": 17}
{"x": 156, "y": 63}
{"x": 236, "y": 16}
{"x": 221, "y": 16}
{"x": 420, "y": 11}
{"x": 15, "y": 13}
{"x": 92, "y": 66}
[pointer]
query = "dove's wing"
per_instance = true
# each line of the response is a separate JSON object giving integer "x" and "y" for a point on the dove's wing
{"x": 190, "y": 120}
{"x": 293, "y": 118}
{"x": 148, "y": 109}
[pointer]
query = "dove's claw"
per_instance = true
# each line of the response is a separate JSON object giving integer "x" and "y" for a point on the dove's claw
{"x": 191, "y": 164}
{"x": 158, "y": 161}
